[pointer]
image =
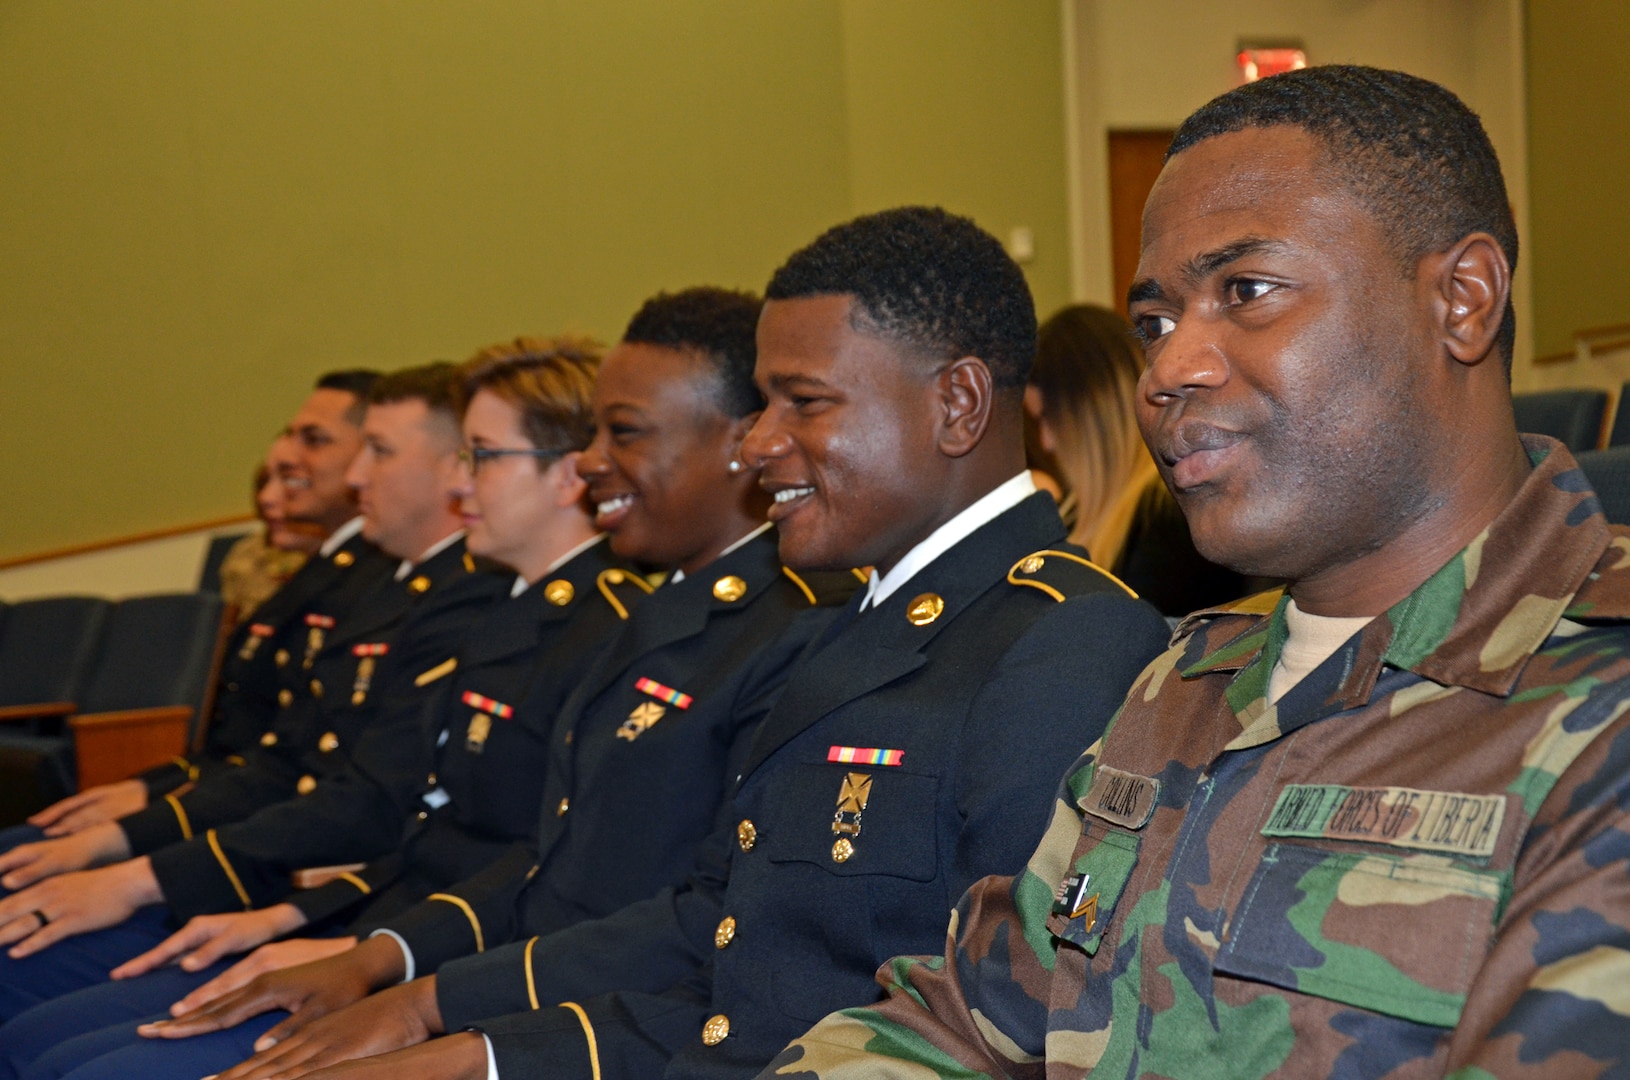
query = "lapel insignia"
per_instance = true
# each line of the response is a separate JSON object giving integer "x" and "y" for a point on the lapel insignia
{"x": 663, "y": 693}
{"x": 469, "y": 563}
{"x": 343, "y": 559}
{"x": 925, "y": 609}
{"x": 645, "y": 714}
{"x": 420, "y": 584}
{"x": 864, "y": 755}
{"x": 559, "y": 592}
{"x": 730, "y": 588}
{"x": 1072, "y": 900}
{"x": 853, "y": 795}
{"x": 315, "y": 626}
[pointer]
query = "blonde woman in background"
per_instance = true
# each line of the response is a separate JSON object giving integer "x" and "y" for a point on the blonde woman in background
{"x": 1083, "y": 432}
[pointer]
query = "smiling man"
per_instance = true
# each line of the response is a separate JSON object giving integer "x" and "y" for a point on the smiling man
{"x": 1375, "y": 825}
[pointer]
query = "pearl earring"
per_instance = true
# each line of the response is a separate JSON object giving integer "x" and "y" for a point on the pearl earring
{"x": 734, "y": 466}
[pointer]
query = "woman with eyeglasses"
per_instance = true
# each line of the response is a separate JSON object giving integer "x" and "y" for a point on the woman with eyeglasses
{"x": 635, "y": 765}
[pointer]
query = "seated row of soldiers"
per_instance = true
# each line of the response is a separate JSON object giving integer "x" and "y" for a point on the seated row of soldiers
{"x": 1374, "y": 824}
{"x": 744, "y": 775}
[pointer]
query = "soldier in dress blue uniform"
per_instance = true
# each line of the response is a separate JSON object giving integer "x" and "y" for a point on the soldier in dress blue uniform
{"x": 912, "y": 750}
{"x": 309, "y": 460}
{"x": 329, "y": 781}
{"x": 642, "y": 754}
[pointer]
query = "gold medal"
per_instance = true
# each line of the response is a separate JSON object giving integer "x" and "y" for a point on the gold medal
{"x": 640, "y": 720}
{"x": 365, "y": 674}
{"x": 475, "y": 738}
{"x": 853, "y": 796}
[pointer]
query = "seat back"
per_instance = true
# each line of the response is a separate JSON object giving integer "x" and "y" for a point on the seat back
{"x": 155, "y": 650}
{"x": 1619, "y": 433}
{"x": 1573, "y": 417}
{"x": 1609, "y": 474}
{"x": 47, "y": 646}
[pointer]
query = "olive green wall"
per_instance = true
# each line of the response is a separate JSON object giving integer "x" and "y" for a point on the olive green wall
{"x": 203, "y": 204}
{"x": 1579, "y": 167}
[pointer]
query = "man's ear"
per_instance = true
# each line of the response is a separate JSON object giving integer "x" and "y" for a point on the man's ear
{"x": 966, "y": 393}
{"x": 1471, "y": 282}
{"x": 570, "y": 488}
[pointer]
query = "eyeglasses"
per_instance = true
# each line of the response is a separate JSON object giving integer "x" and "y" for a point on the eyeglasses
{"x": 473, "y": 457}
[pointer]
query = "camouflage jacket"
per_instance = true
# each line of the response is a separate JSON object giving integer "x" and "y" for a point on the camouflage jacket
{"x": 1414, "y": 864}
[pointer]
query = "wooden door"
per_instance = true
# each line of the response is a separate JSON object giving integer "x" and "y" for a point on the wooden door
{"x": 1134, "y": 162}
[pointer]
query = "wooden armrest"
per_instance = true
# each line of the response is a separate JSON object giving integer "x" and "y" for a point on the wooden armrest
{"x": 38, "y": 711}
{"x": 115, "y": 745}
{"x": 314, "y": 876}
{"x": 159, "y": 716}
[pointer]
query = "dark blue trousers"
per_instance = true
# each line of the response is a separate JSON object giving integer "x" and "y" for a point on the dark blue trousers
{"x": 92, "y": 1034}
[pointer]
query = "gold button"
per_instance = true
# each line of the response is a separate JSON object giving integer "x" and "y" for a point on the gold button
{"x": 559, "y": 592}
{"x": 725, "y": 933}
{"x": 329, "y": 742}
{"x": 419, "y": 584}
{"x": 307, "y": 785}
{"x": 344, "y": 558}
{"x": 716, "y": 1029}
{"x": 842, "y": 850}
{"x": 281, "y": 657}
{"x": 925, "y": 609}
{"x": 565, "y": 805}
{"x": 568, "y": 738}
{"x": 285, "y": 697}
{"x": 1032, "y": 563}
{"x": 431, "y": 779}
{"x": 746, "y": 834}
{"x": 730, "y": 588}
{"x": 423, "y": 814}
{"x": 316, "y": 688}
{"x": 269, "y": 739}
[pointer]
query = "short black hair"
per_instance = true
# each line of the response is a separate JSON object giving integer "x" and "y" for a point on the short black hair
{"x": 1408, "y": 149}
{"x": 358, "y": 382}
{"x": 436, "y": 384}
{"x": 925, "y": 277}
{"x": 721, "y": 325}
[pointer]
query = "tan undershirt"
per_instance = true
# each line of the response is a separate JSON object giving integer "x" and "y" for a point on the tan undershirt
{"x": 1310, "y": 641}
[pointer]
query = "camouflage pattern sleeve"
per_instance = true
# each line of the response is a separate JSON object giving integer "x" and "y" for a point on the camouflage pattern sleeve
{"x": 1553, "y": 997}
{"x": 980, "y": 1010}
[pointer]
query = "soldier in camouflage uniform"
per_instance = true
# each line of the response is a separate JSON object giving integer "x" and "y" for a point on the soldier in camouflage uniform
{"x": 1404, "y": 855}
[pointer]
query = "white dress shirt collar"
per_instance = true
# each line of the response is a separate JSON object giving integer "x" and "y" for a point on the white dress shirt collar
{"x": 429, "y": 553}
{"x": 679, "y": 575}
{"x": 340, "y": 536}
{"x": 1005, "y": 496}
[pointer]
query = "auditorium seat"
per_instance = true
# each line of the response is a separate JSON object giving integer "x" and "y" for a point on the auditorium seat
{"x": 1619, "y": 434}
{"x": 1574, "y": 417}
{"x": 46, "y": 649}
{"x": 1609, "y": 473}
{"x": 135, "y": 704}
